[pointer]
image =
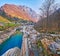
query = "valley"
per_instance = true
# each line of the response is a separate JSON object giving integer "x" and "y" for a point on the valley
{"x": 23, "y": 32}
{"x": 35, "y": 43}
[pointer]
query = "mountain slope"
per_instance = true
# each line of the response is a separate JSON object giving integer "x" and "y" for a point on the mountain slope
{"x": 2, "y": 19}
{"x": 18, "y": 11}
{"x": 31, "y": 12}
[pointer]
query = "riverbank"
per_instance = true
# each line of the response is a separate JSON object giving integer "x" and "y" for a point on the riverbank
{"x": 6, "y": 36}
{"x": 13, "y": 41}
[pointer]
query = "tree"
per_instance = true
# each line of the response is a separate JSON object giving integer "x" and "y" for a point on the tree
{"x": 47, "y": 9}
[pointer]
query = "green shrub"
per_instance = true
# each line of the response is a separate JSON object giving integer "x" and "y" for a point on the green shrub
{"x": 2, "y": 28}
{"x": 51, "y": 32}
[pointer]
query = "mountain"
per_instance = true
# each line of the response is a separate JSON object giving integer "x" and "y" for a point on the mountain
{"x": 20, "y": 12}
{"x": 53, "y": 23}
{"x": 31, "y": 12}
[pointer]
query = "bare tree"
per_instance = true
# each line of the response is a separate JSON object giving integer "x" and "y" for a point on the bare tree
{"x": 47, "y": 9}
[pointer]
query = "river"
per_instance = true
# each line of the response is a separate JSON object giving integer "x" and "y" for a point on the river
{"x": 13, "y": 41}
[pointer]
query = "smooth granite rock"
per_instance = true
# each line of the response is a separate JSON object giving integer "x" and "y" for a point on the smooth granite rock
{"x": 12, "y": 52}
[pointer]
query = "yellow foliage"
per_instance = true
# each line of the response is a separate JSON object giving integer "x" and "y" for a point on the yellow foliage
{"x": 2, "y": 19}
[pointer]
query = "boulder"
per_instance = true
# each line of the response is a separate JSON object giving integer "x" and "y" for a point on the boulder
{"x": 12, "y": 52}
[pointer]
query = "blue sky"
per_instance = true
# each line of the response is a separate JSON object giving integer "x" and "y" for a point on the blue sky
{"x": 34, "y": 4}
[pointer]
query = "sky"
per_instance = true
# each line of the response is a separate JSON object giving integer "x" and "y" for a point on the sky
{"x": 34, "y": 4}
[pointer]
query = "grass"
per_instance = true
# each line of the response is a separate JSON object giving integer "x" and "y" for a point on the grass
{"x": 1, "y": 28}
{"x": 2, "y": 19}
{"x": 8, "y": 25}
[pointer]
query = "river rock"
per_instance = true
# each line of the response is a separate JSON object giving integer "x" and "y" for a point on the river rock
{"x": 12, "y": 52}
